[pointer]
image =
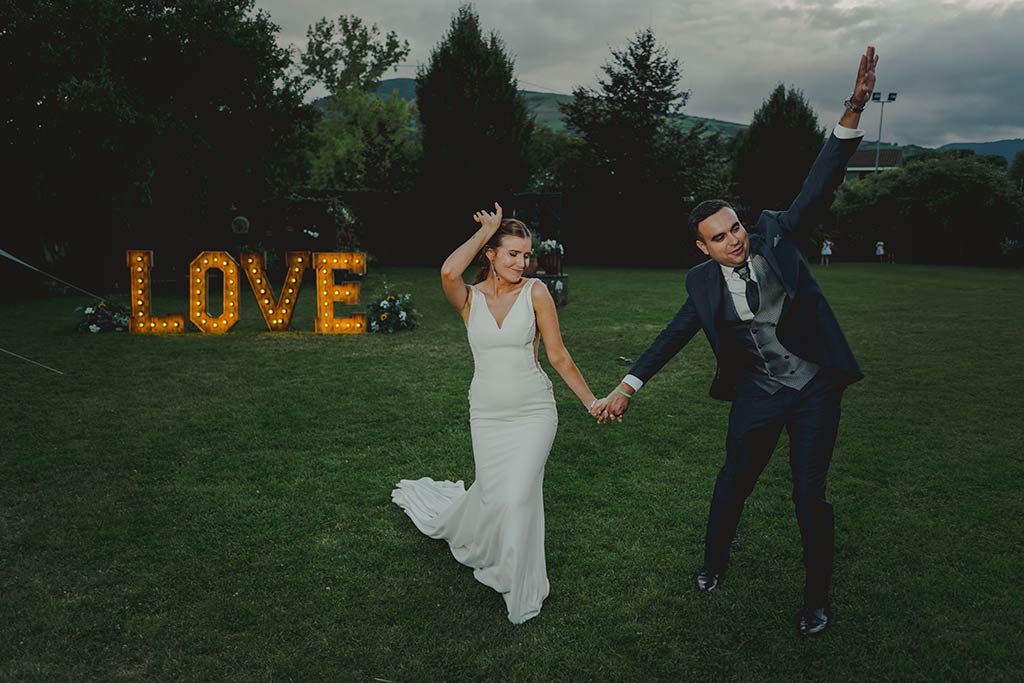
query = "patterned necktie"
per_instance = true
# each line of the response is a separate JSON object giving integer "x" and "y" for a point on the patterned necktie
{"x": 753, "y": 294}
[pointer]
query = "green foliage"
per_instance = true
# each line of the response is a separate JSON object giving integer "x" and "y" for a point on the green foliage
{"x": 475, "y": 126}
{"x": 629, "y": 110}
{"x": 952, "y": 207}
{"x": 1017, "y": 171}
{"x": 551, "y": 156}
{"x": 347, "y": 54}
{"x": 131, "y": 122}
{"x": 364, "y": 141}
{"x": 641, "y": 169}
{"x": 995, "y": 161}
{"x": 771, "y": 157}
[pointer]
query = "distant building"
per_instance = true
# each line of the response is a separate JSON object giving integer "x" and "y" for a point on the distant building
{"x": 862, "y": 162}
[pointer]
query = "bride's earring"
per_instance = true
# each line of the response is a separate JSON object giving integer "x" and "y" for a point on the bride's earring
{"x": 493, "y": 270}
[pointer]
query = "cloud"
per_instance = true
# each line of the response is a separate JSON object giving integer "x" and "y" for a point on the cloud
{"x": 955, "y": 65}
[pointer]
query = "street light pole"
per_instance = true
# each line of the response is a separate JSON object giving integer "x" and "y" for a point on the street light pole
{"x": 877, "y": 97}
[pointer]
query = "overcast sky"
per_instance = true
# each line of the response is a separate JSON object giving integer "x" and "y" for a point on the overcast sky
{"x": 957, "y": 66}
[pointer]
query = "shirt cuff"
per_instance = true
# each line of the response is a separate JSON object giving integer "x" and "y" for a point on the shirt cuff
{"x": 844, "y": 133}
{"x": 633, "y": 381}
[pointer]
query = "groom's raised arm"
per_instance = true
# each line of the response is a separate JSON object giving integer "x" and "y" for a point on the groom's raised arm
{"x": 829, "y": 167}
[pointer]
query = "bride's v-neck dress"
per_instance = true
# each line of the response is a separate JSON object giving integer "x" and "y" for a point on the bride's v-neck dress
{"x": 497, "y": 525}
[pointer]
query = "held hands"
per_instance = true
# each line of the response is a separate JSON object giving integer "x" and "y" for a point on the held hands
{"x": 865, "y": 83}
{"x": 491, "y": 221}
{"x": 598, "y": 410}
{"x": 611, "y": 408}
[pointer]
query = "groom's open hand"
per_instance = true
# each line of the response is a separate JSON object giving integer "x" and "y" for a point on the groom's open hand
{"x": 862, "y": 89}
{"x": 865, "y": 83}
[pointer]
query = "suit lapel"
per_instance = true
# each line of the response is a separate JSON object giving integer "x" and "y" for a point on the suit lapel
{"x": 759, "y": 246}
{"x": 714, "y": 283}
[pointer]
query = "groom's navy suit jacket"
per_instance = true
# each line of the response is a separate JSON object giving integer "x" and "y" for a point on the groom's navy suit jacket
{"x": 808, "y": 328}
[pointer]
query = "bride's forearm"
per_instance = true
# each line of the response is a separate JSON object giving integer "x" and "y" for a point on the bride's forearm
{"x": 460, "y": 259}
{"x": 573, "y": 378}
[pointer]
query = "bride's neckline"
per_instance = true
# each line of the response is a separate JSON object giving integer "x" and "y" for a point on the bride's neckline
{"x": 487, "y": 304}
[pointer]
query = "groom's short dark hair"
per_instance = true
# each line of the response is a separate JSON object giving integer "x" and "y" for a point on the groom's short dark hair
{"x": 703, "y": 210}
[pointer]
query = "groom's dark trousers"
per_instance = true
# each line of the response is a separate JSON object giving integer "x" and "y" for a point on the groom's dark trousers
{"x": 803, "y": 338}
{"x": 811, "y": 418}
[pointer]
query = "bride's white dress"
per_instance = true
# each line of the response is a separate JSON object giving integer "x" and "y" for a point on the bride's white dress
{"x": 497, "y": 526}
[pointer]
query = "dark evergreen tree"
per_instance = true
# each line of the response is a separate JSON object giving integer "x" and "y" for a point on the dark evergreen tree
{"x": 771, "y": 158}
{"x": 475, "y": 125}
{"x": 623, "y": 120}
{"x": 643, "y": 165}
{"x": 1017, "y": 170}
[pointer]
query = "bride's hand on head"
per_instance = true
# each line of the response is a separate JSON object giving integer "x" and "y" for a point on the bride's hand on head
{"x": 491, "y": 221}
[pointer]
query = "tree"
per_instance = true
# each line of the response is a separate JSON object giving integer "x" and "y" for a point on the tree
{"x": 642, "y": 160}
{"x": 363, "y": 141}
{"x": 939, "y": 208}
{"x": 347, "y": 54}
{"x": 128, "y": 123}
{"x": 474, "y": 122}
{"x": 551, "y": 154}
{"x": 623, "y": 120}
{"x": 1017, "y": 170}
{"x": 771, "y": 158}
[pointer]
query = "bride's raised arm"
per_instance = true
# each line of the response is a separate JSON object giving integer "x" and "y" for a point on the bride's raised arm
{"x": 455, "y": 265}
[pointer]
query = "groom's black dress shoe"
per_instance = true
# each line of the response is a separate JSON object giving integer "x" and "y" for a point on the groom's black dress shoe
{"x": 813, "y": 622}
{"x": 707, "y": 581}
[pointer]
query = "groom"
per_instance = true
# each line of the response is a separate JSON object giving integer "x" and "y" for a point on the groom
{"x": 782, "y": 358}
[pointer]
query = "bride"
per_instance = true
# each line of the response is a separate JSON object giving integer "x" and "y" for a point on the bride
{"x": 497, "y": 525}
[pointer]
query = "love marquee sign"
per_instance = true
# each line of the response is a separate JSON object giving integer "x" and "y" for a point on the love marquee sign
{"x": 277, "y": 312}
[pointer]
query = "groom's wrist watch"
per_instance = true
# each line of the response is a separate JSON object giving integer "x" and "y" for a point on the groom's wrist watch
{"x": 850, "y": 106}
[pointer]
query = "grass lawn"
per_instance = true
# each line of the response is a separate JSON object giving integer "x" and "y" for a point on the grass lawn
{"x": 201, "y": 507}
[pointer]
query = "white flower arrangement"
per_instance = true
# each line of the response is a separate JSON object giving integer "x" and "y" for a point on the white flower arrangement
{"x": 545, "y": 247}
{"x": 392, "y": 312}
{"x": 104, "y": 317}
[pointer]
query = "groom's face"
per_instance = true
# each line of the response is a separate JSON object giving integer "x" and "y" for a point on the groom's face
{"x": 724, "y": 238}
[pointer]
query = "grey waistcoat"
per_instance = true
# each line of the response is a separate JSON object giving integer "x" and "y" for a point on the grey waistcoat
{"x": 768, "y": 364}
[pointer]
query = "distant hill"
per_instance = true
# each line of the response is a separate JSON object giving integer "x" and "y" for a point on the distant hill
{"x": 406, "y": 88}
{"x": 1003, "y": 148}
{"x": 544, "y": 107}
